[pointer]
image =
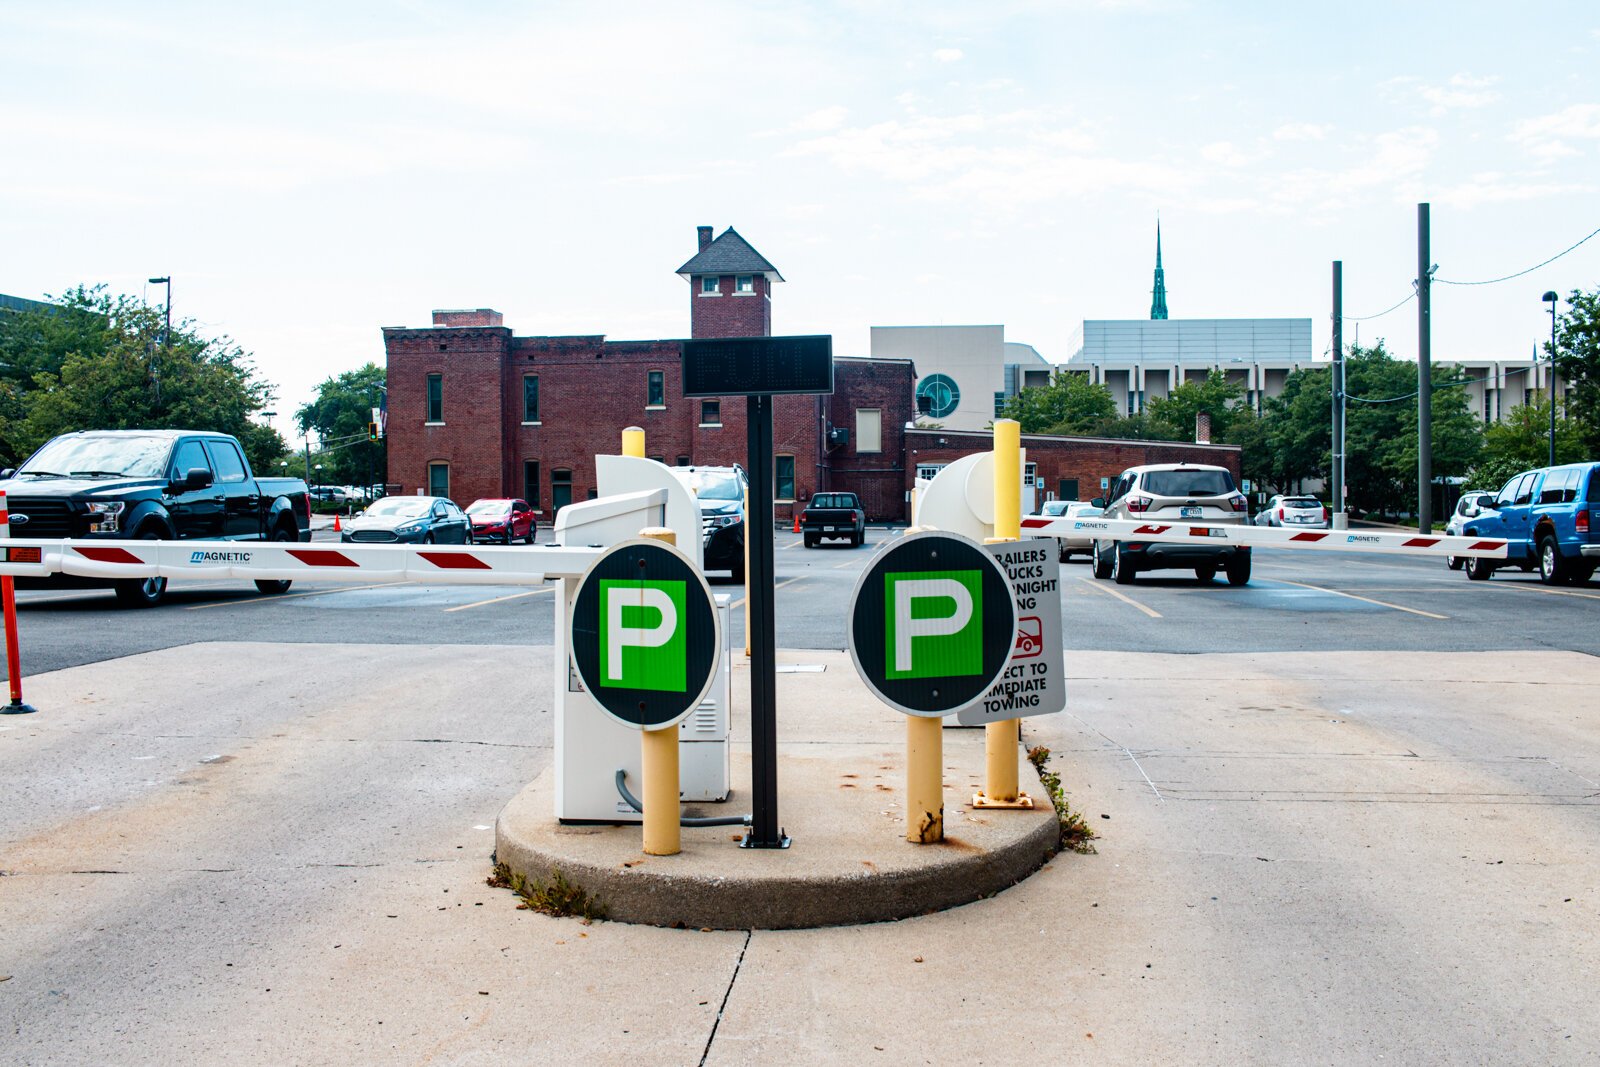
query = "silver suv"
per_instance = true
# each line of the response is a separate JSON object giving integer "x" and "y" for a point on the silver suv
{"x": 1168, "y": 492}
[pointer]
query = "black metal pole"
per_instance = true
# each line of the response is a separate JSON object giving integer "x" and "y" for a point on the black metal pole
{"x": 764, "y": 829}
{"x": 1552, "y": 383}
{"x": 1424, "y": 376}
{"x": 1338, "y": 394}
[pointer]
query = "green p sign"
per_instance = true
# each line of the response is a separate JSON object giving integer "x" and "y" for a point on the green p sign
{"x": 935, "y": 624}
{"x": 642, "y": 639}
{"x": 931, "y": 623}
{"x": 643, "y": 634}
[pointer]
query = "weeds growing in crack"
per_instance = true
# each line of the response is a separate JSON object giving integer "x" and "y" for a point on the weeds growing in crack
{"x": 1075, "y": 833}
{"x": 557, "y": 897}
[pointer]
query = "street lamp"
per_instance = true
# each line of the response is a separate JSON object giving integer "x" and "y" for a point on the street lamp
{"x": 1550, "y": 298}
{"x": 167, "y": 326}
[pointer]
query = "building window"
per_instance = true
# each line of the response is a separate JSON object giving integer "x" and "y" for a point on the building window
{"x": 1030, "y": 474}
{"x": 709, "y": 285}
{"x": 710, "y": 413}
{"x": 435, "y": 398}
{"x": 560, "y": 488}
{"x": 937, "y": 395}
{"x": 659, "y": 459}
{"x": 530, "y": 482}
{"x": 683, "y": 461}
{"x": 744, "y": 283}
{"x": 926, "y": 471}
{"x": 869, "y": 430}
{"x": 438, "y": 479}
{"x": 999, "y": 404}
{"x": 783, "y": 477}
{"x": 658, "y": 389}
{"x": 530, "y": 398}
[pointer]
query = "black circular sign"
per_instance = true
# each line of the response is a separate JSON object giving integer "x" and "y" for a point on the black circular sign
{"x": 644, "y": 634}
{"x": 931, "y": 623}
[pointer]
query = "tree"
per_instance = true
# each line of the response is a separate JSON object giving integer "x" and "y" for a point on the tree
{"x": 1214, "y": 395}
{"x": 1577, "y": 357}
{"x": 1070, "y": 404}
{"x": 1521, "y": 441}
{"x": 97, "y": 362}
{"x": 340, "y": 415}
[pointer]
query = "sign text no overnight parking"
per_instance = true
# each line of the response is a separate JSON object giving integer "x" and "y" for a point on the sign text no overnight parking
{"x": 1033, "y": 682}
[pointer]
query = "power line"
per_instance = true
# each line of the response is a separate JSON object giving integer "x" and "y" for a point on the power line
{"x": 1520, "y": 273}
{"x": 1363, "y": 318}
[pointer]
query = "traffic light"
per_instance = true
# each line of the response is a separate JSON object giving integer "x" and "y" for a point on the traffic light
{"x": 372, "y": 431}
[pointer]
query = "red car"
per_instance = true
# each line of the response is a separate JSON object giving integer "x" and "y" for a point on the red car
{"x": 502, "y": 520}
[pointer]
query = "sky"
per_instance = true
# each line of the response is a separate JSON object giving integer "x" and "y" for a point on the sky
{"x": 309, "y": 173}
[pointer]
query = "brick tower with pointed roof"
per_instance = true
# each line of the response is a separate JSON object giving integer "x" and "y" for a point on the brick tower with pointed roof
{"x": 730, "y": 287}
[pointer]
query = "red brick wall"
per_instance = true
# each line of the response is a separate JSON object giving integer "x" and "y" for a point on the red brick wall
{"x": 730, "y": 314}
{"x": 879, "y": 479}
{"x": 472, "y": 432}
{"x": 470, "y": 317}
{"x": 1088, "y": 459}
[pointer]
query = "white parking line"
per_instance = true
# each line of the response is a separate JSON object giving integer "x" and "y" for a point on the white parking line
{"x": 1106, "y": 589}
{"x": 1531, "y": 588}
{"x": 1363, "y": 599}
{"x": 290, "y": 596}
{"x": 780, "y": 585}
{"x": 502, "y": 599}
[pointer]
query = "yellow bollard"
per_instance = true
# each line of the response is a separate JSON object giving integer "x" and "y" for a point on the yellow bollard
{"x": 1001, "y": 738}
{"x": 633, "y": 442}
{"x": 924, "y": 779}
{"x": 658, "y": 749}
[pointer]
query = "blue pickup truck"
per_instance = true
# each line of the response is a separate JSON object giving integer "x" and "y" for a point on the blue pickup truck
{"x": 1548, "y": 516}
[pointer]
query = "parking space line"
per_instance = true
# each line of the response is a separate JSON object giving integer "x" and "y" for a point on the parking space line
{"x": 1363, "y": 599}
{"x": 780, "y": 585}
{"x": 1541, "y": 588}
{"x": 502, "y": 599}
{"x": 846, "y": 563}
{"x": 290, "y": 596}
{"x": 1106, "y": 589}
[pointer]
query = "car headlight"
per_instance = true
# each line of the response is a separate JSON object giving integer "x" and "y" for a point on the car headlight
{"x": 106, "y": 517}
{"x": 722, "y": 520}
{"x": 410, "y": 527}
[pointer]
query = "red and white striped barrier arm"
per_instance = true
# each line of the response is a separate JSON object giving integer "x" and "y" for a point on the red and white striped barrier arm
{"x": 277, "y": 561}
{"x": 1267, "y": 536}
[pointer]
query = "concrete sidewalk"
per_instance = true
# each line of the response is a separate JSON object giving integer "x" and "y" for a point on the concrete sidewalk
{"x": 277, "y": 853}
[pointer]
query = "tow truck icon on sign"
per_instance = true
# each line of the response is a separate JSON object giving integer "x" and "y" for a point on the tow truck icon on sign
{"x": 1030, "y": 638}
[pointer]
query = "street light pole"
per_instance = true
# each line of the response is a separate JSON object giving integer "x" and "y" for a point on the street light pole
{"x": 1551, "y": 298}
{"x": 166, "y": 332}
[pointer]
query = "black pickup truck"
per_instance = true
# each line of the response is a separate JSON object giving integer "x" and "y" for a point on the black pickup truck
{"x": 168, "y": 485}
{"x": 833, "y": 515}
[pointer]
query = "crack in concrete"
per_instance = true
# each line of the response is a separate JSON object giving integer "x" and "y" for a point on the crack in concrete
{"x": 726, "y": 993}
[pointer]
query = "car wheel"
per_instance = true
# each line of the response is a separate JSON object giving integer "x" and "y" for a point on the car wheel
{"x": 1122, "y": 569}
{"x": 508, "y": 533}
{"x": 1552, "y": 568}
{"x": 1479, "y": 569}
{"x": 1453, "y": 562}
{"x": 278, "y": 587}
{"x": 1205, "y": 574}
{"x": 533, "y": 528}
{"x": 142, "y": 592}
{"x": 1102, "y": 565}
{"x": 427, "y": 538}
{"x": 1238, "y": 570}
{"x": 811, "y": 540}
{"x": 1062, "y": 555}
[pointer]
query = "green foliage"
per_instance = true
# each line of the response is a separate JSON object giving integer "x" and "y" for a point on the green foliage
{"x": 1521, "y": 441}
{"x": 1136, "y": 427}
{"x": 1070, "y": 404}
{"x": 1578, "y": 360}
{"x": 557, "y": 897}
{"x": 339, "y": 415}
{"x": 98, "y": 362}
{"x": 1076, "y": 834}
{"x": 1215, "y": 395}
{"x": 1250, "y": 433}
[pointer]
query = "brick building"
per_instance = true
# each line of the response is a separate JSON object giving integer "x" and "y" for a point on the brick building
{"x": 476, "y": 411}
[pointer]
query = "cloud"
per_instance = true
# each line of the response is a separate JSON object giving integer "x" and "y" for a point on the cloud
{"x": 949, "y": 55}
{"x": 1301, "y": 131}
{"x": 1578, "y": 120}
{"x": 1462, "y": 91}
{"x": 828, "y": 118}
{"x": 1496, "y": 188}
{"x": 1225, "y": 154}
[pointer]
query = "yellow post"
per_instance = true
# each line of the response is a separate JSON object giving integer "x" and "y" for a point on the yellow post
{"x": 924, "y": 780}
{"x": 659, "y": 748}
{"x": 633, "y": 442}
{"x": 1000, "y": 738}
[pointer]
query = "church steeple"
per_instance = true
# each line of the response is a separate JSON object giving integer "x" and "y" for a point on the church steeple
{"x": 1158, "y": 295}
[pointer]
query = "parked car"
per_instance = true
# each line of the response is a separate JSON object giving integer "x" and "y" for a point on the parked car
{"x": 1182, "y": 492}
{"x": 502, "y": 519}
{"x": 1300, "y": 512}
{"x": 1547, "y": 516}
{"x": 1468, "y": 507}
{"x": 331, "y": 494}
{"x": 721, "y": 493}
{"x": 167, "y": 485}
{"x": 1069, "y": 544}
{"x": 411, "y": 520}
{"x": 834, "y": 515}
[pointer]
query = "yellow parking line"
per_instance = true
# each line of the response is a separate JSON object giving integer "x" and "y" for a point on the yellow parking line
{"x": 1363, "y": 599}
{"x": 502, "y": 599}
{"x": 780, "y": 585}
{"x": 1106, "y": 589}
{"x": 1528, "y": 587}
{"x": 290, "y": 596}
{"x": 846, "y": 563}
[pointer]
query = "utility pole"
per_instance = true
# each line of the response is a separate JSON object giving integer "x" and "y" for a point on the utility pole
{"x": 166, "y": 332}
{"x": 1424, "y": 376}
{"x": 1339, "y": 518}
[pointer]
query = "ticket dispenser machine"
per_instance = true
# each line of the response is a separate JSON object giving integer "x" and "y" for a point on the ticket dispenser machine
{"x": 590, "y": 746}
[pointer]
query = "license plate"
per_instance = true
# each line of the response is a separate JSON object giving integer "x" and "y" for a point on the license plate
{"x": 829, "y": 529}
{"x": 1190, "y": 513}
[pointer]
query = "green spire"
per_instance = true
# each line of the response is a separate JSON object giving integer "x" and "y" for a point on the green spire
{"x": 1158, "y": 295}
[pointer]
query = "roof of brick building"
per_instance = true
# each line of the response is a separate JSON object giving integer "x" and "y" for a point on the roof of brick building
{"x": 730, "y": 254}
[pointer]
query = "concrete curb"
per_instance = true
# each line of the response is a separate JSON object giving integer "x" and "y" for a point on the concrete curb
{"x": 850, "y": 863}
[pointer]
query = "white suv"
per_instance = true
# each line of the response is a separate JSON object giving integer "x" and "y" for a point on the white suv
{"x": 1168, "y": 492}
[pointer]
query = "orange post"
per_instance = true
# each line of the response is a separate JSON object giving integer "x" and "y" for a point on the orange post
{"x": 8, "y": 597}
